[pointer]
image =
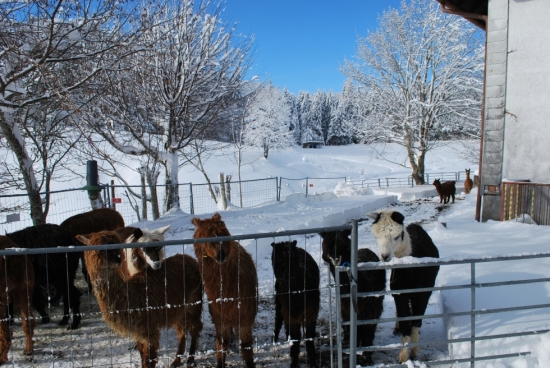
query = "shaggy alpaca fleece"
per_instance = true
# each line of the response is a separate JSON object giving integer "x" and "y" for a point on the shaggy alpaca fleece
{"x": 231, "y": 283}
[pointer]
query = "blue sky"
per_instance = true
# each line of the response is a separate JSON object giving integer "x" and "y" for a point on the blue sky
{"x": 301, "y": 44}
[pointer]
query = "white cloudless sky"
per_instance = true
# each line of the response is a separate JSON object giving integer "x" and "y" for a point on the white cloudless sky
{"x": 301, "y": 44}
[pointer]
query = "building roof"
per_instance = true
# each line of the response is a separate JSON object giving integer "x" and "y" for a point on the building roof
{"x": 474, "y": 11}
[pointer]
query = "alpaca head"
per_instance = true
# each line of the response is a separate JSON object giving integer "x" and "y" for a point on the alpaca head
{"x": 153, "y": 255}
{"x": 436, "y": 182}
{"x": 101, "y": 238}
{"x": 336, "y": 246}
{"x": 467, "y": 172}
{"x": 211, "y": 228}
{"x": 390, "y": 234}
{"x": 283, "y": 256}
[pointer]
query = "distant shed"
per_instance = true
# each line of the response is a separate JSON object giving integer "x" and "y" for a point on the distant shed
{"x": 312, "y": 144}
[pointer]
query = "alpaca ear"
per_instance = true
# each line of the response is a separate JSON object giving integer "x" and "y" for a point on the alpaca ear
{"x": 293, "y": 244}
{"x": 83, "y": 239}
{"x": 373, "y": 215}
{"x": 347, "y": 232}
{"x": 397, "y": 217}
{"x": 161, "y": 230}
{"x": 273, "y": 244}
{"x": 137, "y": 233}
{"x": 195, "y": 221}
{"x": 323, "y": 234}
{"x": 216, "y": 217}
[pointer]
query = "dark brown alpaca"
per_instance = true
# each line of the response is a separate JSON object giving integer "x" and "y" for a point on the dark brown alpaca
{"x": 91, "y": 222}
{"x": 468, "y": 183}
{"x": 142, "y": 312}
{"x": 230, "y": 281}
{"x": 337, "y": 246}
{"x": 16, "y": 287}
{"x": 445, "y": 190}
{"x": 297, "y": 297}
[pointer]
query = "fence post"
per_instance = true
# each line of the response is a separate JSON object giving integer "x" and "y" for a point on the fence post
{"x": 379, "y": 186}
{"x": 113, "y": 205}
{"x": 338, "y": 314}
{"x": 457, "y": 175}
{"x": 353, "y": 312}
{"x": 278, "y": 187}
{"x": 191, "y": 209}
{"x": 387, "y": 183}
{"x": 428, "y": 178}
{"x": 307, "y": 185}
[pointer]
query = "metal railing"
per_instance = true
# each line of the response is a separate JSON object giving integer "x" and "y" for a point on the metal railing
{"x": 524, "y": 201}
{"x": 474, "y": 311}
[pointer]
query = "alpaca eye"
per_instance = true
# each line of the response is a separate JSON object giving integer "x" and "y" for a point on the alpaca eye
{"x": 397, "y": 237}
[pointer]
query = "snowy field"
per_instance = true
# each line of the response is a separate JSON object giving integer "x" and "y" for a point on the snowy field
{"x": 94, "y": 345}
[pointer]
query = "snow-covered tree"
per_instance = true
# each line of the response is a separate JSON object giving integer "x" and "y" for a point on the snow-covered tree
{"x": 178, "y": 89}
{"x": 267, "y": 121}
{"x": 51, "y": 53}
{"x": 422, "y": 74}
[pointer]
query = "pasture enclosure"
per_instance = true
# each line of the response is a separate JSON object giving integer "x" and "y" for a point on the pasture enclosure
{"x": 193, "y": 198}
{"x": 95, "y": 345}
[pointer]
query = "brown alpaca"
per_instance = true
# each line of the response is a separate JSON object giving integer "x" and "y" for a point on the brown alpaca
{"x": 445, "y": 190}
{"x": 230, "y": 281}
{"x": 468, "y": 183}
{"x": 140, "y": 301}
{"x": 16, "y": 287}
{"x": 90, "y": 222}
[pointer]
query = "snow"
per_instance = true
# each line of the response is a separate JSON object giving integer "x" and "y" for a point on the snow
{"x": 462, "y": 238}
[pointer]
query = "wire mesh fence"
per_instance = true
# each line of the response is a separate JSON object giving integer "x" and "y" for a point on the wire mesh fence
{"x": 192, "y": 198}
{"x": 121, "y": 316}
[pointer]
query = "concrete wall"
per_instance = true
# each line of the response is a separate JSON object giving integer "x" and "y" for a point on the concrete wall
{"x": 517, "y": 103}
{"x": 527, "y": 117}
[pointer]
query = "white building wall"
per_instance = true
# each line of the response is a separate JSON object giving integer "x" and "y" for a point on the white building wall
{"x": 526, "y": 153}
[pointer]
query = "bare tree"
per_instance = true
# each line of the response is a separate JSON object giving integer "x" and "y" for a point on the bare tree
{"x": 43, "y": 48}
{"x": 176, "y": 90}
{"x": 422, "y": 75}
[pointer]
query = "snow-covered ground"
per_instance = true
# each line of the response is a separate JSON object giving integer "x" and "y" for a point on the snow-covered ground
{"x": 94, "y": 345}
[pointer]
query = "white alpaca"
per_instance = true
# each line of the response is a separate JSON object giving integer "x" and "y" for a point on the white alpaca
{"x": 396, "y": 240}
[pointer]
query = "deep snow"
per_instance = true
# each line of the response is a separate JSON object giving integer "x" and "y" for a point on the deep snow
{"x": 462, "y": 237}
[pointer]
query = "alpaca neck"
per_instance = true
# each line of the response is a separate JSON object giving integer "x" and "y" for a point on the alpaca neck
{"x": 405, "y": 248}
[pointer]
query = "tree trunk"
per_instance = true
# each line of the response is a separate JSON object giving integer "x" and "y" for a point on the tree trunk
{"x": 143, "y": 197}
{"x": 172, "y": 195}
{"x": 417, "y": 167}
{"x": 266, "y": 151}
{"x": 223, "y": 198}
{"x": 17, "y": 145}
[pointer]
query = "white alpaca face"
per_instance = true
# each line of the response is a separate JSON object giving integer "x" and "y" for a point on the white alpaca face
{"x": 389, "y": 232}
{"x": 153, "y": 255}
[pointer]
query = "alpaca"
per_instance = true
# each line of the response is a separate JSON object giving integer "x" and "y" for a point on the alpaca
{"x": 138, "y": 259}
{"x": 171, "y": 297}
{"x": 297, "y": 296}
{"x": 445, "y": 190}
{"x": 53, "y": 272}
{"x": 337, "y": 247}
{"x": 230, "y": 281}
{"x": 16, "y": 288}
{"x": 468, "y": 183}
{"x": 396, "y": 240}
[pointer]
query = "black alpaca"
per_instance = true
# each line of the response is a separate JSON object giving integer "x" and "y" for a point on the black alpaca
{"x": 337, "y": 246}
{"x": 297, "y": 297}
{"x": 394, "y": 240}
{"x": 54, "y": 273}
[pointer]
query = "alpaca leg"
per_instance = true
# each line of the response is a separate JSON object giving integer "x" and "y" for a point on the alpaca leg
{"x": 453, "y": 198}
{"x": 278, "y": 319}
{"x": 148, "y": 351}
{"x": 415, "y": 337}
{"x": 20, "y": 301}
{"x": 404, "y": 354}
{"x": 365, "y": 336}
{"x": 310, "y": 342}
{"x": 223, "y": 337}
{"x": 66, "y": 306}
{"x": 295, "y": 337}
{"x": 247, "y": 350}
{"x": 5, "y": 336}
{"x": 74, "y": 297}
{"x": 180, "y": 330}
{"x": 39, "y": 303}
{"x": 194, "y": 327}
